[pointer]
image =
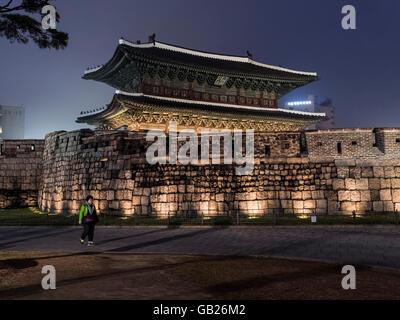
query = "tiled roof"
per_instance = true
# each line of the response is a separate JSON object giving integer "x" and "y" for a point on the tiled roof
{"x": 192, "y": 106}
{"x": 182, "y": 56}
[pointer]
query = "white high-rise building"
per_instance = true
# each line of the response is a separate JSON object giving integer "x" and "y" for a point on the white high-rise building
{"x": 328, "y": 108}
{"x": 12, "y": 122}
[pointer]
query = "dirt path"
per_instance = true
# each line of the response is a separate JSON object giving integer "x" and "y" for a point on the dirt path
{"x": 161, "y": 276}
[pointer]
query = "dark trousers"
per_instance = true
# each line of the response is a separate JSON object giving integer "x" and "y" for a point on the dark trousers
{"x": 88, "y": 230}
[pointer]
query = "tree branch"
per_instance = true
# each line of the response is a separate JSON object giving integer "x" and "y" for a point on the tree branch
{"x": 31, "y": 6}
{"x": 22, "y": 26}
{"x": 7, "y": 5}
{"x": 12, "y": 9}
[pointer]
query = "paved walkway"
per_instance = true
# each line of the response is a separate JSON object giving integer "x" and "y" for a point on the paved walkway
{"x": 370, "y": 245}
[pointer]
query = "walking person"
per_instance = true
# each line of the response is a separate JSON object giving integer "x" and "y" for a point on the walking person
{"x": 88, "y": 217}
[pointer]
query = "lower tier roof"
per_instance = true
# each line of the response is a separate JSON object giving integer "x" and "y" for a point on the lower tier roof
{"x": 135, "y": 104}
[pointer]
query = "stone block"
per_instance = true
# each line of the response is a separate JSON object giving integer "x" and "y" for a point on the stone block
{"x": 204, "y": 206}
{"x": 367, "y": 172}
{"x": 347, "y": 206}
{"x": 355, "y": 172}
{"x": 273, "y": 204}
{"x": 388, "y": 206}
{"x": 345, "y": 162}
{"x": 374, "y": 183}
{"x": 120, "y": 184}
{"x": 362, "y": 184}
{"x": 110, "y": 195}
{"x": 386, "y": 183}
{"x": 386, "y": 195}
{"x": 377, "y": 206}
{"x": 262, "y": 205}
{"x": 172, "y": 207}
{"x": 355, "y": 196}
{"x": 298, "y": 204}
{"x": 389, "y": 172}
{"x": 318, "y": 194}
{"x": 344, "y": 195}
{"x": 144, "y": 200}
{"x": 343, "y": 172}
{"x": 162, "y": 198}
{"x": 136, "y": 200}
{"x": 365, "y": 195}
{"x": 363, "y": 206}
{"x": 331, "y": 195}
{"x": 205, "y": 197}
{"x": 212, "y": 206}
{"x": 375, "y": 195}
{"x": 114, "y": 204}
{"x": 287, "y": 204}
{"x": 350, "y": 184}
{"x": 170, "y": 197}
{"x": 240, "y": 196}
{"x": 306, "y": 195}
{"x": 396, "y": 195}
{"x": 296, "y": 195}
{"x": 395, "y": 183}
{"x": 322, "y": 204}
{"x": 378, "y": 172}
{"x": 125, "y": 204}
{"x": 338, "y": 184}
{"x": 309, "y": 204}
{"x": 284, "y": 194}
{"x": 103, "y": 205}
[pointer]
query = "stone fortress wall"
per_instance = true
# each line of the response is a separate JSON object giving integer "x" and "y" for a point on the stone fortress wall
{"x": 382, "y": 143}
{"x": 20, "y": 172}
{"x": 294, "y": 172}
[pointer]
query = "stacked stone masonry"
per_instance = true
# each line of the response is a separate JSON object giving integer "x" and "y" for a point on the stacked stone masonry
{"x": 20, "y": 172}
{"x": 294, "y": 173}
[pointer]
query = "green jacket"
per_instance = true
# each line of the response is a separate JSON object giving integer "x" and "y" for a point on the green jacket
{"x": 83, "y": 212}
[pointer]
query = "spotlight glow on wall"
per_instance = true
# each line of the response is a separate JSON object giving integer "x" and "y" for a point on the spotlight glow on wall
{"x": 299, "y": 103}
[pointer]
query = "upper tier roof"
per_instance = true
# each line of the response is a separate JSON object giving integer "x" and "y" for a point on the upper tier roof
{"x": 170, "y": 54}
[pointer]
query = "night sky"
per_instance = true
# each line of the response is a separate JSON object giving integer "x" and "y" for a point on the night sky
{"x": 359, "y": 69}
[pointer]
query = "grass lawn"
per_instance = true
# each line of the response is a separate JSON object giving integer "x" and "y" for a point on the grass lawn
{"x": 35, "y": 217}
{"x": 32, "y": 217}
{"x": 168, "y": 276}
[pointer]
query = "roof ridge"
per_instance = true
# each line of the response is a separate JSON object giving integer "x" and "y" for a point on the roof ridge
{"x": 209, "y": 55}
